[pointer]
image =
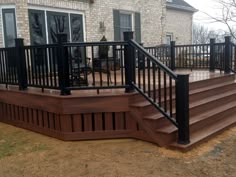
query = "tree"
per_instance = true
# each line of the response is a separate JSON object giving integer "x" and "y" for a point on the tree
{"x": 227, "y": 15}
{"x": 202, "y": 35}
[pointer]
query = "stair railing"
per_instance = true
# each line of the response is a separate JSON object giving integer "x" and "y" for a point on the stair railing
{"x": 167, "y": 91}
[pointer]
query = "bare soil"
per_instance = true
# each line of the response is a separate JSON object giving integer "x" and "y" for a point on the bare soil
{"x": 27, "y": 154}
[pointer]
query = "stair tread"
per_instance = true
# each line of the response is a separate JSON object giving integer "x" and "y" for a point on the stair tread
{"x": 156, "y": 116}
{"x": 200, "y": 117}
{"x": 207, "y": 131}
{"x": 212, "y": 98}
{"x": 191, "y": 92}
{"x": 214, "y": 86}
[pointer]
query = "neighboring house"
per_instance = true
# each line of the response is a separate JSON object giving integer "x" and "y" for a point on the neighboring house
{"x": 38, "y": 21}
{"x": 179, "y": 21}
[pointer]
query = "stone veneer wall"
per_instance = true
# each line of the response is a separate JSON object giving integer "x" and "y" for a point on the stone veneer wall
{"x": 152, "y": 13}
{"x": 179, "y": 23}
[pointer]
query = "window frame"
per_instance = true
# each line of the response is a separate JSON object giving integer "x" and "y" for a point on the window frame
{"x": 58, "y": 10}
{"x": 169, "y": 35}
{"x": 132, "y": 20}
{"x": 7, "y": 7}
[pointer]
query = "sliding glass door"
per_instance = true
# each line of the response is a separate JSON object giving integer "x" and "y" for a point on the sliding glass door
{"x": 37, "y": 27}
{"x": 57, "y": 23}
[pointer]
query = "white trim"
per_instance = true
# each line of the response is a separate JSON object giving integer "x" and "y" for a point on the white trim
{"x": 55, "y": 9}
{"x": 60, "y": 10}
{"x": 132, "y": 17}
{"x": 8, "y": 6}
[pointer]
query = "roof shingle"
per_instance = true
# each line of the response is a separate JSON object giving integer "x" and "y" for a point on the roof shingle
{"x": 180, "y": 4}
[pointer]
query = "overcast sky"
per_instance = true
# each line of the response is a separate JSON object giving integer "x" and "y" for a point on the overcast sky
{"x": 208, "y": 6}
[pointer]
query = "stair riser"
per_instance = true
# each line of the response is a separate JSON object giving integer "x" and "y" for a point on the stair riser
{"x": 167, "y": 139}
{"x": 158, "y": 123}
{"x": 211, "y": 105}
{"x": 211, "y": 120}
{"x": 210, "y": 82}
{"x": 150, "y": 109}
{"x": 211, "y": 92}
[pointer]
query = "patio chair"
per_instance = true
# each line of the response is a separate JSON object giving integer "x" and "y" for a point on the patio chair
{"x": 80, "y": 69}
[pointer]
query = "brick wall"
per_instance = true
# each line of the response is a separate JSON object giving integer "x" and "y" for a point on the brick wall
{"x": 179, "y": 23}
{"x": 99, "y": 11}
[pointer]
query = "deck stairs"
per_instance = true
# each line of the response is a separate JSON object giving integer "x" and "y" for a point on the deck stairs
{"x": 212, "y": 104}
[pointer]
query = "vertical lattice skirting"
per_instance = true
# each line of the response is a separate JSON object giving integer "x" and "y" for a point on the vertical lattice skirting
{"x": 82, "y": 126}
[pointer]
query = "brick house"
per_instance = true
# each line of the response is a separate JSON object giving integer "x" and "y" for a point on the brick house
{"x": 179, "y": 21}
{"x": 37, "y": 21}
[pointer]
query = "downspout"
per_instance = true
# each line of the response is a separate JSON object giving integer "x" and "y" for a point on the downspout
{"x": 163, "y": 5}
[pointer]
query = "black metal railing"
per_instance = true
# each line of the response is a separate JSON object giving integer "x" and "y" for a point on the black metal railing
{"x": 211, "y": 56}
{"x": 218, "y": 56}
{"x": 233, "y": 58}
{"x": 91, "y": 69}
{"x": 8, "y": 66}
{"x": 165, "y": 90}
{"x": 42, "y": 66}
{"x": 193, "y": 56}
{"x": 162, "y": 53}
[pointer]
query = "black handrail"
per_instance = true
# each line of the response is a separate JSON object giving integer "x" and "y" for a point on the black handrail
{"x": 162, "y": 87}
{"x": 161, "y": 65}
{"x": 107, "y": 43}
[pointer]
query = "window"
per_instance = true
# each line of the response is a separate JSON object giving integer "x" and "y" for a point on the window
{"x": 45, "y": 25}
{"x": 168, "y": 39}
{"x": 125, "y": 21}
{"x": 37, "y": 27}
{"x": 9, "y": 27}
{"x": 57, "y": 23}
{"x": 125, "y": 24}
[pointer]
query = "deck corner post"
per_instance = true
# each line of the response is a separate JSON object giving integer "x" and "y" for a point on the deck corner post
{"x": 129, "y": 58}
{"x": 63, "y": 65}
{"x": 21, "y": 64}
{"x": 182, "y": 108}
{"x": 227, "y": 54}
{"x": 172, "y": 55}
{"x": 212, "y": 54}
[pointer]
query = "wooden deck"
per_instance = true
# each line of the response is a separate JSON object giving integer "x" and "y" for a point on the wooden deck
{"x": 194, "y": 76}
{"x": 83, "y": 115}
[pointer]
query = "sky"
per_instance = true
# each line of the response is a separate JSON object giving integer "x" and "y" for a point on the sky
{"x": 207, "y": 6}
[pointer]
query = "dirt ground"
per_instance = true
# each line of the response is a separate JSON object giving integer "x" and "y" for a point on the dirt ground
{"x": 27, "y": 154}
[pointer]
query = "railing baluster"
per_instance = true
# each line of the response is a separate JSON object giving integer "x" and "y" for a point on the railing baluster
{"x": 154, "y": 81}
{"x": 93, "y": 73}
{"x": 149, "y": 79}
{"x": 165, "y": 94}
{"x": 159, "y": 86}
{"x": 170, "y": 96}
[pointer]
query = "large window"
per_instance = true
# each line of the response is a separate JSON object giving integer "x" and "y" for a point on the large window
{"x": 9, "y": 27}
{"x": 37, "y": 27}
{"x": 45, "y": 25}
{"x": 126, "y": 21}
{"x": 125, "y": 24}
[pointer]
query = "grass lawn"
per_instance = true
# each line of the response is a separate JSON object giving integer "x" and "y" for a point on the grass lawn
{"x": 27, "y": 154}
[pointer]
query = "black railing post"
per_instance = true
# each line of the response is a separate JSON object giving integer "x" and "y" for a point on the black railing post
{"x": 63, "y": 65}
{"x": 21, "y": 64}
{"x": 227, "y": 54}
{"x": 182, "y": 108}
{"x": 172, "y": 55}
{"x": 129, "y": 58}
{"x": 141, "y": 62}
{"x": 212, "y": 55}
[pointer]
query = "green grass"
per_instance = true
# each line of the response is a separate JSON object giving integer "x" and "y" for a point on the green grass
{"x": 16, "y": 143}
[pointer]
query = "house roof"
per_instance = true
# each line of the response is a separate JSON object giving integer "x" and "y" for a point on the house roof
{"x": 180, "y": 5}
